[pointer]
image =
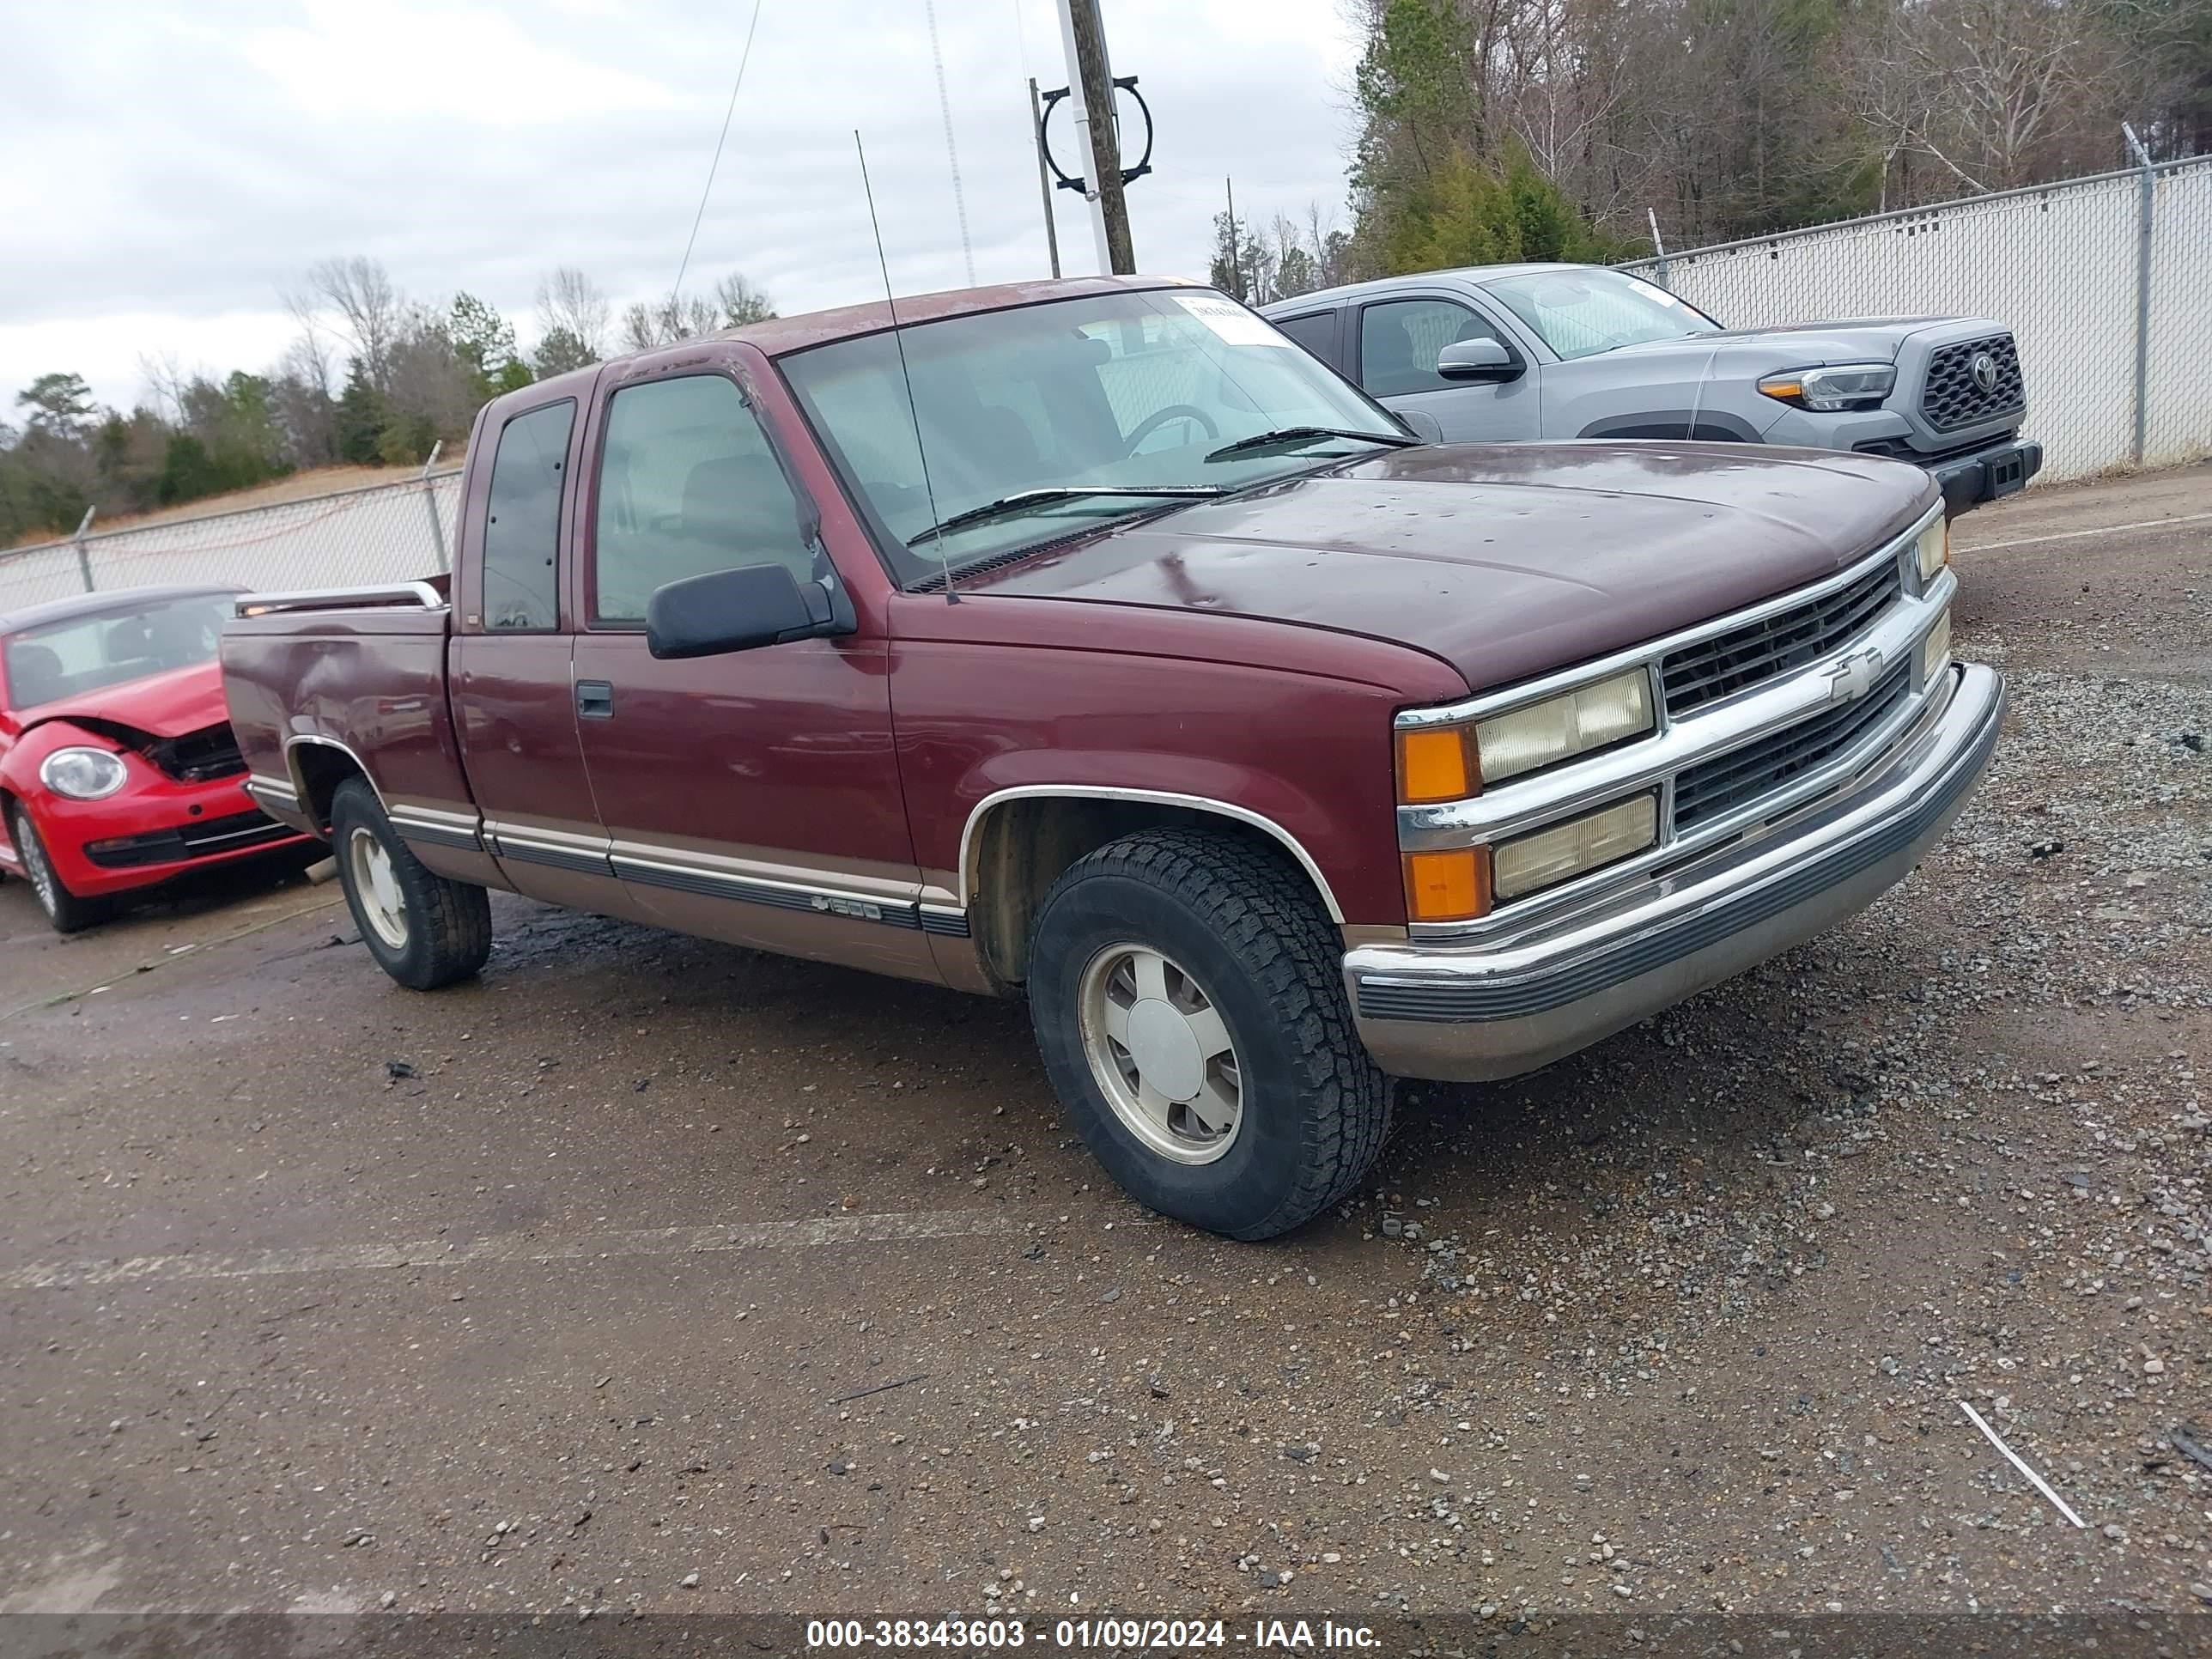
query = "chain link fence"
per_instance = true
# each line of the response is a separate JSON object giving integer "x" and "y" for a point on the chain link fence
{"x": 2062, "y": 265}
{"x": 378, "y": 533}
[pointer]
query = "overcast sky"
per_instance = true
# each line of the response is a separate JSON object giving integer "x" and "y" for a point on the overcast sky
{"x": 163, "y": 168}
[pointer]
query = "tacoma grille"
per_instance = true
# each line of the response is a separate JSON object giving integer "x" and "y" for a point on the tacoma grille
{"x": 1758, "y": 651}
{"x": 198, "y": 756}
{"x": 1743, "y": 775}
{"x": 1953, "y": 395}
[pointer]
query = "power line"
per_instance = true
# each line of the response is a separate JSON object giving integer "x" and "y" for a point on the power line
{"x": 743, "y": 58}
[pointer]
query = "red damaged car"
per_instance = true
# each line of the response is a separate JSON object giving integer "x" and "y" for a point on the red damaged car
{"x": 117, "y": 768}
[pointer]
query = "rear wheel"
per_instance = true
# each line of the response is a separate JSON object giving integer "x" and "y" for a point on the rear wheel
{"x": 424, "y": 930}
{"x": 67, "y": 912}
{"x": 1185, "y": 991}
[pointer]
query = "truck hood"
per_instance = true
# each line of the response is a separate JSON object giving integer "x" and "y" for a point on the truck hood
{"x": 160, "y": 705}
{"x": 1796, "y": 345}
{"x": 1506, "y": 560}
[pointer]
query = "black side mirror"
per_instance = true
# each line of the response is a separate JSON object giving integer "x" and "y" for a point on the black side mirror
{"x": 737, "y": 609}
{"x": 1478, "y": 360}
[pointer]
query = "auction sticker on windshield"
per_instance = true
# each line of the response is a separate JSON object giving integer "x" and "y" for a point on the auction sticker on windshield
{"x": 1230, "y": 321}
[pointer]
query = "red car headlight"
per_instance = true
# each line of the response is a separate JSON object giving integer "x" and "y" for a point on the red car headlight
{"x": 83, "y": 774}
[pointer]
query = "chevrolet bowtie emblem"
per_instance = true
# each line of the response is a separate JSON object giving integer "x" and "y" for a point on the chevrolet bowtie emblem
{"x": 1854, "y": 676}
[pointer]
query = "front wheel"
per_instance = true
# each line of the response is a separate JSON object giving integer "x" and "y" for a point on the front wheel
{"x": 66, "y": 911}
{"x": 424, "y": 929}
{"x": 1186, "y": 994}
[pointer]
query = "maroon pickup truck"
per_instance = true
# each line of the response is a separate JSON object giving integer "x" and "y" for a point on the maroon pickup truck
{"x": 1089, "y": 641}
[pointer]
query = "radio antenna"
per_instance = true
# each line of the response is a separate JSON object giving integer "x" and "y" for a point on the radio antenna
{"x": 913, "y": 414}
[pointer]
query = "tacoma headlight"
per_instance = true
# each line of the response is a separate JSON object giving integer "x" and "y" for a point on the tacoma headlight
{"x": 1934, "y": 549}
{"x": 83, "y": 774}
{"x": 1845, "y": 386}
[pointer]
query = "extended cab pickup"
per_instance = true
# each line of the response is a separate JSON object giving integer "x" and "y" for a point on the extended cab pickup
{"x": 1089, "y": 641}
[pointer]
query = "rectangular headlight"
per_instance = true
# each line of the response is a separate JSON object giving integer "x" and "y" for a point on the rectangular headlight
{"x": 1559, "y": 728}
{"x": 1936, "y": 649}
{"x": 1843, "y": 386}
{"x": 1934, "y": 549}
{"x": 1548, "y": 857}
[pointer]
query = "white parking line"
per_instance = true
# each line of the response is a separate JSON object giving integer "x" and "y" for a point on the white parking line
{"x": 812, "y": 1233}
{"x": 2076, "y": 535}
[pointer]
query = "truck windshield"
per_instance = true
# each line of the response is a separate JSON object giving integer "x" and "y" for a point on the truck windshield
{"x": 70, "y": 658}
{"x": 1127, "y": 391}
{"x": 1579, "y": 312}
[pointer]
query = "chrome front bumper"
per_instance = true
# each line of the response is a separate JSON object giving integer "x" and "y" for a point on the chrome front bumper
{"x": 1460, "y": 1011}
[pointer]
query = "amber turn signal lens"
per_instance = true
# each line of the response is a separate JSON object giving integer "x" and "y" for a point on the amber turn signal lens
{"x": 1434, "y": 765}
{"x": 1452, "y": 886}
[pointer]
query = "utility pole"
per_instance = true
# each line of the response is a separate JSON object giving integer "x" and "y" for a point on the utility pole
{"x": 1044, "y": 178}
{"x": 1091, "y": 82}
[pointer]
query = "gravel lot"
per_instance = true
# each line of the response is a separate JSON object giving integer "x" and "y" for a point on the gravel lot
{"x": 651, "y": 1274}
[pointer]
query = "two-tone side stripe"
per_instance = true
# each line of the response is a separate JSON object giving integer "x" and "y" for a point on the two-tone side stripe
{"x": 428, "y": 827}
{"x": 579, "y": 856}
{"x": 780, "y": 896}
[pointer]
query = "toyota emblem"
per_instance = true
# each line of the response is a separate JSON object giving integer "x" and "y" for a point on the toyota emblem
{"x": 1985, "y": 370}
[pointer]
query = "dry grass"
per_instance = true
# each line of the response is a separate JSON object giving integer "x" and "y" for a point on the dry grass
{"x": 316, "y": 480}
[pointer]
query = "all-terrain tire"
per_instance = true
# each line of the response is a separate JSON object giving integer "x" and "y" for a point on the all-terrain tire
{"x": 1246, "y": 928}
{"x": 442, "y": 932}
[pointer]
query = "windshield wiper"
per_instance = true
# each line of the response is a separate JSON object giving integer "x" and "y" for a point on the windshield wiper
{"x": 1027, "y": 498}
{"x": 1301, "y": 434}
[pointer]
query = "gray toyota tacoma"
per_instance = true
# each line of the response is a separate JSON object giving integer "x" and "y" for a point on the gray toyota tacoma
{"x": 1502, "y": 352}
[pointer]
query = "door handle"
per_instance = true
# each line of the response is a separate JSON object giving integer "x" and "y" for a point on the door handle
{"x": 595, "y": 700}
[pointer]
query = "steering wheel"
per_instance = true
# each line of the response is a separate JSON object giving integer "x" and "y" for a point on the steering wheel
{"x": 1159, "y": 417}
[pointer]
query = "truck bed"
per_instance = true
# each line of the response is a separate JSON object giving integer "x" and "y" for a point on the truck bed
{"x": 313, "y": 678}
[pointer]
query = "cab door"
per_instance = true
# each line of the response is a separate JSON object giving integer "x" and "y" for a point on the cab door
{"x": 1398, "y": 340}
{"x": 510, "y": 672}
{"x": 752, "y": 797}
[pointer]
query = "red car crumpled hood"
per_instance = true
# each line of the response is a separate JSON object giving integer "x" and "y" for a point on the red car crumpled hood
{"x": 160, "y": 705}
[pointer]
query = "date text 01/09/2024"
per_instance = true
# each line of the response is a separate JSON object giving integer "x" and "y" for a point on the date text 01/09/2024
{"x": 1109, "y": 1634}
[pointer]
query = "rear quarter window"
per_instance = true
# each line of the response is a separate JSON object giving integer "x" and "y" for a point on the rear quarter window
{"x": 522, "y": 529}
{"x": 1315, "y": 332}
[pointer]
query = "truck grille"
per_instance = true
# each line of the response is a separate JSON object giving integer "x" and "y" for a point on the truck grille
{"x": 1741, "y": 776}
{"x": 1953, "y": 397}
{"x": 198, "y": 756}
{"x": 1758, "y": 651}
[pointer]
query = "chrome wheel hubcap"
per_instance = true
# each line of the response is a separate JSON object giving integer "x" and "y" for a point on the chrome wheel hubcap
{"x": 1161, "y": 1053}
{"x": 383, "y": 905}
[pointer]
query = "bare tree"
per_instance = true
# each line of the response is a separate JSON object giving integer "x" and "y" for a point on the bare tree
{"x": 370, "y": 312}
{"x": 163, "y": 372}
{"x": 645, "y": 326}
{"x": 741, "y": 302}
{"x": 302, "y": 400}
{"x": 429, "y": 379}
{"x": 2010, "y": 88}
{"x": 571, "y": 303}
